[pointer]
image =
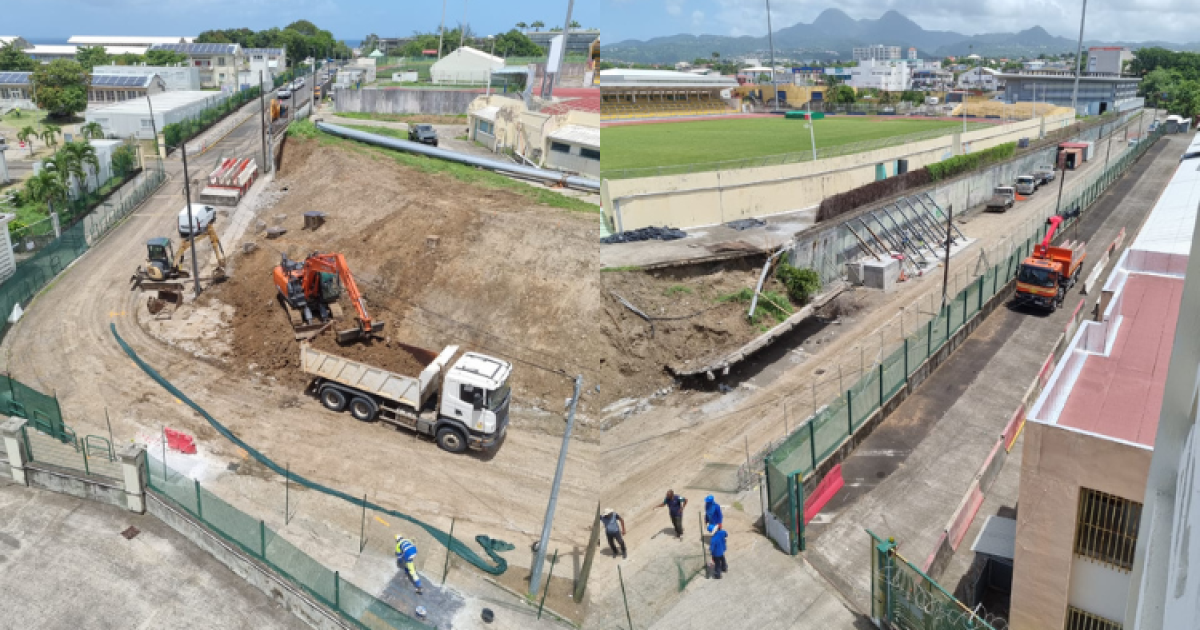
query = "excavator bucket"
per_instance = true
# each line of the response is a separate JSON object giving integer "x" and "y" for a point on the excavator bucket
{"x": 219, "y": 275}
{"x": 354, "y": 334}
{"x": 163, "y": 300}
{"x": 305, "y": 332}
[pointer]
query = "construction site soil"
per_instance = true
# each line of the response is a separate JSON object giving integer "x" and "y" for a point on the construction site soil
{"x": 440, "y": 263}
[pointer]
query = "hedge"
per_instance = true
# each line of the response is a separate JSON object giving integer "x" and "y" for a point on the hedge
{"x": 175, "y": 134}
{"x": 845, "y": 202}
{"x": 971, "y": 161}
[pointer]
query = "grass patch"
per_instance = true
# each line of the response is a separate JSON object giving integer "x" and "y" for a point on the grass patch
{"x": 677, "y": 289}
{"x": 461, "y": 172}
{"x": 682, "y": 143}
{"x": 772, "y": 306}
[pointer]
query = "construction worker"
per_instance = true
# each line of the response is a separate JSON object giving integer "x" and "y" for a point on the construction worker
{"x": 675, "y": 504}
{"x": 406, "y": 553}
{"x": 712, "y": 513}
{"x": 717, "y": 548}
{"x": 614, "y": 528}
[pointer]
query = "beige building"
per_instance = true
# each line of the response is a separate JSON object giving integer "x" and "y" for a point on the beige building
{"x": 219, "y": 64}
{"x": 114, "y": 88}
{"x": 465, "y": 65}
{"x": 1090, "y": 436}
{"x": 555, "y": 137}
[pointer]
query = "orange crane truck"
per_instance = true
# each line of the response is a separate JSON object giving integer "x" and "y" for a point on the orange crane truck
{"x": 1047, "y": 274}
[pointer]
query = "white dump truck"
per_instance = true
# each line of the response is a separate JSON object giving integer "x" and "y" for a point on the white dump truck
{"x": 461, "y": 406}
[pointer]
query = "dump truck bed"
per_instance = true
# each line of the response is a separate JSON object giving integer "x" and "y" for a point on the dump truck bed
{"x": 408, "y": 390}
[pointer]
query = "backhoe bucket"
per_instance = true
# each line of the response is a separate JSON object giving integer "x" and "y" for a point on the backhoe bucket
{"x": 305, "y": 332}
{"x": 219, "y": 275}
{"x": 354, "y": 334}
{"x": 164, "y": 299}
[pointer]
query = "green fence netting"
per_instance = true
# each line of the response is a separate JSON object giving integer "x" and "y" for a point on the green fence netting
{"x": 372, "y": 613}
{"x": 287, "y": 559}
{"x": 908, "y": 599}
{"x": 918, "y": 348}
{"x": 777, "y": 495}
{"x": 864, "y": 397}
{"x": 795, "y": 454}
{"x": 236, "y": 525}
{"x": 490, "y": 546}
{"x": 42, "y": 411}
{"x": 830, "y": 427}
{"x": 892, "y": 371}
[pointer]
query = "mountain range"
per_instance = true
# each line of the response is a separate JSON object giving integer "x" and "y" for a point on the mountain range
{"x": 834, "y": 34}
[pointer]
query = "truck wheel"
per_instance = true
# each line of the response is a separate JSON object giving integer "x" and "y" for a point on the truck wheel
{"x": 333, "y": 399}
{"x": 363, "y": 409}
{"x": 451, "y": 440}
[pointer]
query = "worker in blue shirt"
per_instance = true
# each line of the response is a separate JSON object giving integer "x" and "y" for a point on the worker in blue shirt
{"x": 712, "y": 513}
{"x": 717, "y": 548}
{"x": 675, "y": 504}
{"x": 406, "y": 553}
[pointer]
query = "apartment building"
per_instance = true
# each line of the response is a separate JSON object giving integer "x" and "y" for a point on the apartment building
{"x": 219, "y": 64}
{"x": 878, "y": 51}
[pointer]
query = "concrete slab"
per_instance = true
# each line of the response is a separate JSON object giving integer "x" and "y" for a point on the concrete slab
{"x": 717, "y": 242}
{"x": 64, "y": 564}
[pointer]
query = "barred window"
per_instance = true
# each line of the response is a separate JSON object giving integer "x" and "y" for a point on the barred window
{"x": 1083, "y": 620}
{"x": 1106, "y": 529}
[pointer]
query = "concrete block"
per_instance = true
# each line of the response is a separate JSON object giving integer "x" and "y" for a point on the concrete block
{"x": 854, "y": 273}
{"x": 14, "y": 448}
{"x": 133, "y": 468}
{"x": 881, "y": 275}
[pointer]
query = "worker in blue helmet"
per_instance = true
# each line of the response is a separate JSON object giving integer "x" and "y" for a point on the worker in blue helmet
{"x": 406, "y": 554}
{"x": 712, "y": 514}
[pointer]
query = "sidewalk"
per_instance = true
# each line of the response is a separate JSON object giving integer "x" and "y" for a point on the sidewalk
{"x": 64, "y": 564}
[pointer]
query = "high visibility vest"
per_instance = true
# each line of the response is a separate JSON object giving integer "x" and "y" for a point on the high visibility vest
{"x": 405, "y": 548}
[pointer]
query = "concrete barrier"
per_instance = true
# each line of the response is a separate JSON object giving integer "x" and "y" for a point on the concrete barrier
{"x": 402, "y": 101}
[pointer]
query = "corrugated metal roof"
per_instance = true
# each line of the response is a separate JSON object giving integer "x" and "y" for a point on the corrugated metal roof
{"x": 578, "y": 134}
{"x": 1169, "y": 227}
{"x": 487, "y": 113}
{"x": 199, "y": 49}
{"x": 998, "y": 538}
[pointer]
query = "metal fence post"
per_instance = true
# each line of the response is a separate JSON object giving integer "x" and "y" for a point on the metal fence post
{"x": 262, "y": 539}
{"x": 86, "y": 469}
{"x": 450, "y": 545}
{"x": 929, "y": 339}
{"x": 362, "y": 534}
{"x": 906, "y": 358}
{"x": 199, "y": 505}
{"x": 849, "y": 412}
{"x": 881, "y": 385}
{"x": 546, "y": 591}
{"x": 812, "y": 441}
{"x": 337, "y": 590}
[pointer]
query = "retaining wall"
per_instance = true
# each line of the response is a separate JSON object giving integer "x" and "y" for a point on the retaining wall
{"x": 402, "y": 101}
{"x": 48, "y": 478}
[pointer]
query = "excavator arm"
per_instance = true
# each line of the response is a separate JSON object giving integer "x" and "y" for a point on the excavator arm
{"x": 186, "y": 244}
{"x": 317, "y": 264}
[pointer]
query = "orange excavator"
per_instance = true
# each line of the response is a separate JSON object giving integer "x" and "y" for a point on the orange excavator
{"x": 1049, "y": 272}
{"x": 312, "y": 288}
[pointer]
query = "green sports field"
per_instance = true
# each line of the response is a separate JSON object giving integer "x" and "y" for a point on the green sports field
{"x": 678, "y": 147}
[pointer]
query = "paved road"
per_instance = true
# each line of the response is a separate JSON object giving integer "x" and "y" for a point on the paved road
{"x": 65, "y": 565}
{"x": 908, "y": 476}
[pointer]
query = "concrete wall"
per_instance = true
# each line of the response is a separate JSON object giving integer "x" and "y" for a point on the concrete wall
{"x": 75, "y": 485}
{"x": 709, "y": 198}
{"x": 295, "y": 601}
{"x": 1055, "y": 463}
{"x": 401, "y": 101}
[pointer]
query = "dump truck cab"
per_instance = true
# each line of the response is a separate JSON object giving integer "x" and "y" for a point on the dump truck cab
{"x": 1039, "y": 283}
{"x": 476, "y": 393}
{"x": 1002, "y": 199}
{"x": 1026, "y": 184}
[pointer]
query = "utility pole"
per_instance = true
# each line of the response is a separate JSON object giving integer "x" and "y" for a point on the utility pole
{"x": 771, "y": 44}
{"x": 462, "y": 30}
{"x": 442, "y": 29}
{"x": 153, "y": 127}
{"x": 535, "y": 579}
{"x": 262, "y": 105}
{"x": 1078, "y": 55}
{"x": 566, "y": 35}
{"x": 187, "y": 193}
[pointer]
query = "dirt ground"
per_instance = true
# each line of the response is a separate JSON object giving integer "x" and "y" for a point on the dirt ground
{"x": 426, "y": 264}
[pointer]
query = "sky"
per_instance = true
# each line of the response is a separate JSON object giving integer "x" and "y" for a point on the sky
{"x": 1125, "y": 20}
{"x": 346, "y": 19}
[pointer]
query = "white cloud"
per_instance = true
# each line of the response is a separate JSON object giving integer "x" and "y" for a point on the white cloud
{"x": 674, "y": 7}
{"x": 697, "y": 18}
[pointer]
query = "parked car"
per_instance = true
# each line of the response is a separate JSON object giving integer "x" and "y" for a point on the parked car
{"x": 423, "y": 134}
{"x": 1044, "y": 174}
{"x": 202, "y": 216}
{"x": 285, "y": 94}
{"x": 1026, "y": 184}
{"x": 298, "y": 83}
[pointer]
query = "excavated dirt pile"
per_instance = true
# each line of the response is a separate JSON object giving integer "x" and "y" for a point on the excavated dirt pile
{"x": 442, "y": 262}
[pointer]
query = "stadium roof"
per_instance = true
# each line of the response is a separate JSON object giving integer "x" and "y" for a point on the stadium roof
{"x": 199, "y": 49}
{"x": 578, "y": 134}
{"x": 622, "y": 78}
{"x": 1062, "y": 76}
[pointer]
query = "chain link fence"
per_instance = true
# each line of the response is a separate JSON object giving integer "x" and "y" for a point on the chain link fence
{"x": 800, "y": 454}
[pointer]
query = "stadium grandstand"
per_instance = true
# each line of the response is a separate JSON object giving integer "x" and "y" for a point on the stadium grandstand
{"x": 628, "y": 94}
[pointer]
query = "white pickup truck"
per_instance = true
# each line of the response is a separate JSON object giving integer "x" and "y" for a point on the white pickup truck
{"x": 464, "y": 405}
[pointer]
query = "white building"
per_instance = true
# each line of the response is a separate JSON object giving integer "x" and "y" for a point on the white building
{"x": 1108, "y": 59}
{"x": 174, "y": 77}
{"x": 219, "y": 64}
{"x": 47, "y": 53}
{"x": 912, "y": 54}
{"x": 878, "y": 51}
{"x": 576, "y": 149}
{"x": 978, "y": 79}
{"x": 881, "y": 75}
{"x": 125, "y": 41}
{"x": 132, "y": 118}
{"x": 465, "y": 65}
{"x": 114, "y": 88}
{"x": 271, "y": 62}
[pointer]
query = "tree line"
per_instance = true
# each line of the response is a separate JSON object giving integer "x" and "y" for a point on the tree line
{"x": 514, "y": 43}
{"x": 1169, "y": 79}
{"x": 302, "y": 38}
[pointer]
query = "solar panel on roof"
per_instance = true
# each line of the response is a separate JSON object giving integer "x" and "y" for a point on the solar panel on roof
{"x": 14, "y": 78}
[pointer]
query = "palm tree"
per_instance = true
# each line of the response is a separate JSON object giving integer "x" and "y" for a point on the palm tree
{"x": 26, "y": 134}
{"x": 50, "y": 135}
{"x": 538, "y": 24}
{"x": 64, "y": 165}
{"x": 575, "y": 24}
{"x": 92, "y": 130}
{"x": 83, "y": 154}
{"x": 46, "y": 188}
{"x": 522, "y": 25}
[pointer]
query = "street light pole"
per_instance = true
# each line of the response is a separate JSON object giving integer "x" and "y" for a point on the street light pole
{"x": 1078, "y": 55}
{"x": 442, "y": 29}
{"x": 187, "y": 193}
{"x": 771, "y": 43}
{"x": 535, "y": 578}
{"x": 462, "y": 30}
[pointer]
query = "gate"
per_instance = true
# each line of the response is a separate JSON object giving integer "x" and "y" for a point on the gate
{"x": 907, "y": 599}
{"x": 783, "y": 507}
